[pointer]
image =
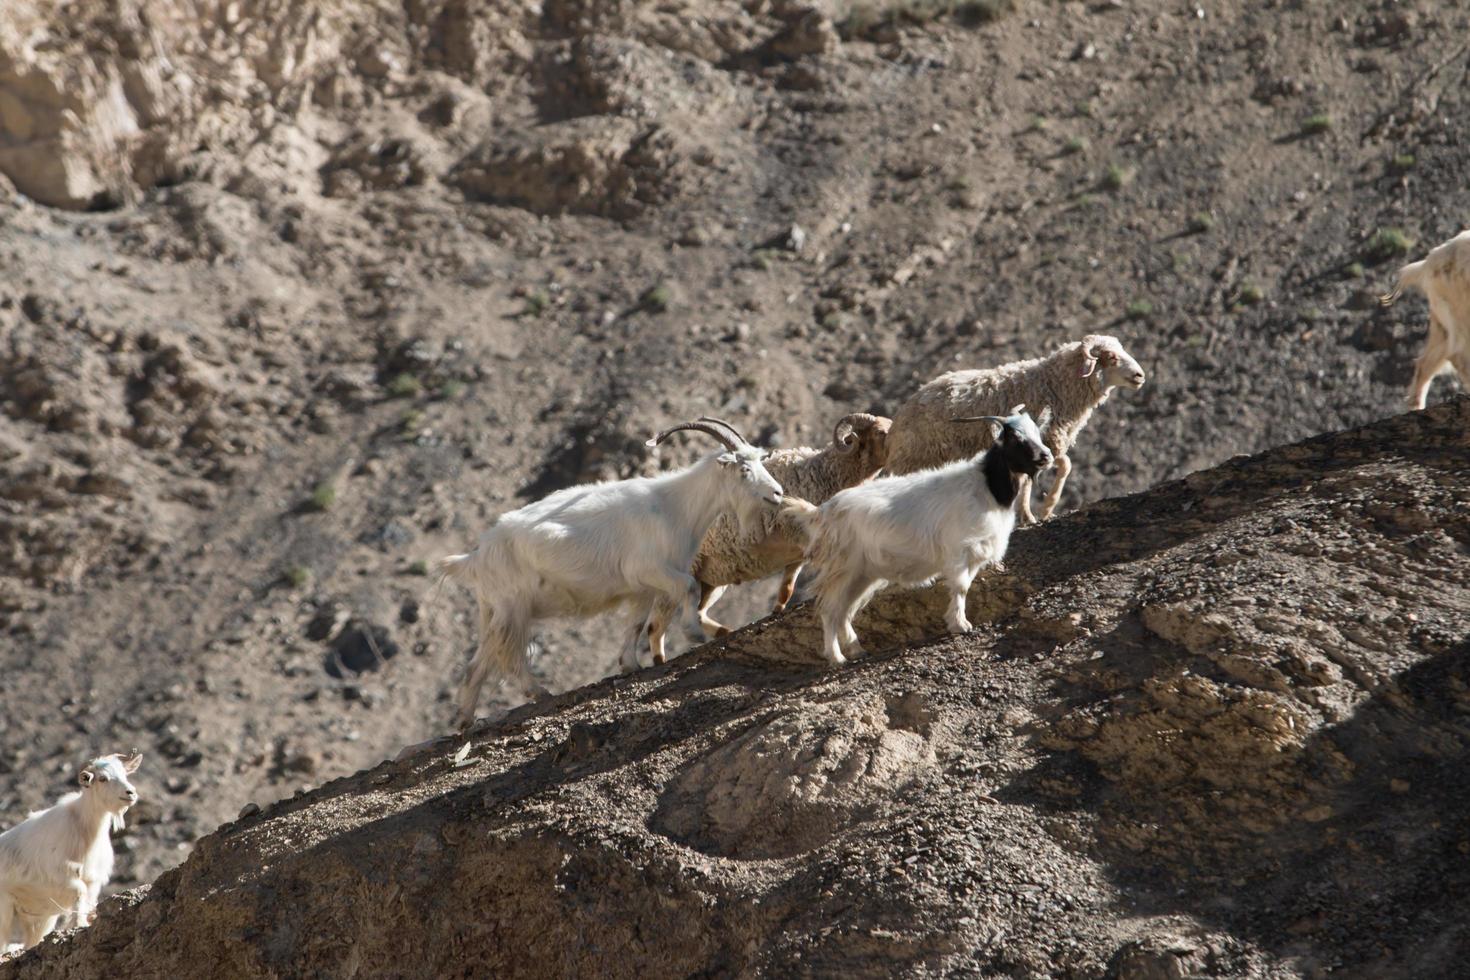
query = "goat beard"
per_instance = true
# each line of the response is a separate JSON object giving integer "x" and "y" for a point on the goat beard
{"x": 751, "y": 520}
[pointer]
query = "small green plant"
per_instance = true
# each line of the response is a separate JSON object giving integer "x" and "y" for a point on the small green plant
{"x": 419, "y": 567}
{"x": 656, "y": 299}
{"x": 297, "y": 576}
{"x": 1250, "y": 294}
{"x": 1319, "y": 122}
{"x": 1139, "y": 309}
{"x": 536, "y": 303}
{"x": 323, "y": 496}
{"x": 451, "y": 389}
{"x": 410, "y": 420}
{"x": 762, "y": 260}
{"x": 1038, "y": 124}
{"x": 1403, "y": 163}
{"x": 1085, "y": 201}
{"x": 1116, "y": 177}
{"x": 1087, "y": 108}
{"x": 1075, "y": 145}
{"x": 1201, "y": 223}
{"x": 1387, "y": 243}
{"x": 1354, "y": 270}
{"x": 404, "y": 385}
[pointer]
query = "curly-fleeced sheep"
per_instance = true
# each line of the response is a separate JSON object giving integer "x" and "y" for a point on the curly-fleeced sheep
{"x": 1444, "y": 278}
{"x": 1072, "y": 382}
{"x": 948, "y": 522}
{"x": 56, "y": 861}
{"x": 591, "y": 548}
{"x": 728, "y": 557}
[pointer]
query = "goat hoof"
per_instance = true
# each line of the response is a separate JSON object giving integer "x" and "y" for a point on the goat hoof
{"x": 723, "y": 631}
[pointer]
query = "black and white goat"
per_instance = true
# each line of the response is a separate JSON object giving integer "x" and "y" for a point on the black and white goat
{"x": 948, "y": 523}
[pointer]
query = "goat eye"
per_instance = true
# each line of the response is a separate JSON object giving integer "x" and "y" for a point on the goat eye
{"x": 104, "y": 778}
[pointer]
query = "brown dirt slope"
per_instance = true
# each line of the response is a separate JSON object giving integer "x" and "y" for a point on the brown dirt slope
{"x": 295, "y": 295}
{"x": 1212, "y": 729}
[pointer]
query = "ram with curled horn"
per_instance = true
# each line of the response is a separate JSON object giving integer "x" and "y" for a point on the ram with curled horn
{"x": 732, "y": 554}
{"x": 592, "y": 548}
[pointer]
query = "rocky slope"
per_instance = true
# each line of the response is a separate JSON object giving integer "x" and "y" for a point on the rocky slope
{"x": 1212, "y": 729}
{"x": 296, "y": 296}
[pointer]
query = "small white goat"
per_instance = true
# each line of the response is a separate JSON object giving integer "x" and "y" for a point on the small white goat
{"x": 56, "y": 861}
{"x": 728, "y": 557}
{"x": 591, "y": 548}
{"x": 948, "y": 522}
{"x": 1444, "y": 278}
{"x": 1072, "y": 381}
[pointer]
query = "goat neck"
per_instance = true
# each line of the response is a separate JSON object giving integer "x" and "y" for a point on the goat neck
{"x": 1002, "y": 483}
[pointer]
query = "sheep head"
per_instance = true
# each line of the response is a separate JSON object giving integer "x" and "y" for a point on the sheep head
{"x": 1118, "y": 366}
{"x": 865, "y": 434}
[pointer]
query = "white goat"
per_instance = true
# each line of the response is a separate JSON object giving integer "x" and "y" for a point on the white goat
{"x": 948, "y": 522}
{"x": 1072, "y": 381}
{"x": 56, "y": 861}
{"x": 728, "y": 557}
{"x": 1444, "y": 278}
{"x": 588, "y": 549}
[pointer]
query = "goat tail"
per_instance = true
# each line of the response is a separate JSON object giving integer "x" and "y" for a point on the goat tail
{"x": 452, "y": 566}
{"x": 1410, "y": 275}
{"x": 804, "y": 517}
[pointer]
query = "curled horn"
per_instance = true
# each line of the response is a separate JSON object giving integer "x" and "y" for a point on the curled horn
{"x": 733, "y": 431}
{"x": 844, "y": 433}
{"x": 697, "y": 426}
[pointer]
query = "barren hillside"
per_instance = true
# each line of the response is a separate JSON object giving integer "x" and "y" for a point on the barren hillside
{"x": 1215, "y": 729}
{"x": 297, "y": 295}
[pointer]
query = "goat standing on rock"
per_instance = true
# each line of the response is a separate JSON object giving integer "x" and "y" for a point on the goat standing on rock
{"x": 591, "y": 548}
{"x": 1444, "y": 278}
{"x": 729, "y": 556}
{"x": 1074, "y": 380}
{"x": 56, "y": 861}
{"x": 948, "y": 522}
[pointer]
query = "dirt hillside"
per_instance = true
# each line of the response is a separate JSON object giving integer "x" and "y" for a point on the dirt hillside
{"x": 298, "y": 295}
{"x": 1215, "y": 729}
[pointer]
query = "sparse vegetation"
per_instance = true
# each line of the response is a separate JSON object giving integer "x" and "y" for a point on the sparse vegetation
{"x": 451, "y": 389}
{"x": 536, "y": 303}
{"x": 1354, "y": 270}
{"x": 410, "y": 420}
{"x": 1388, "y": 243}
{"x": 1201, "y": 222}
{"x": 1075, "y": 145}
{"x": 1139, "y": 309}
{"x": 656, "y": 299}
{"x": 1250, "y": 294}
{"x": 323, "y": 496}
{"x": 404, "y": 385}
{"x": 1403, "y": 163}
{"x": 1038, "y": 124}
{"x": 418, "y": 567}
{"x": 297, "y": 576}
{"x": 1319, "y": 122}
{"x": 1116, "y": 177}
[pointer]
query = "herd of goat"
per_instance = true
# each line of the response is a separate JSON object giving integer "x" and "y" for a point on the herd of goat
{"x": 956, "y": 464}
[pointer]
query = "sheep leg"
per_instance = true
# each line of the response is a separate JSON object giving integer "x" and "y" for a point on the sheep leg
{"x": 1049, "y": 503}
{"x": 788, "y": 587}
{"x": 1461, "y": 363}
{"x": 658, "y": 624}
{"x": 708, "y": 596}
{"x": 1023, "y": 493}
{"x": 1436, "y": 354}
{"x": 959, "y": 580}
{"x": 7, "y": 921}
{"x": 677, "y": 590}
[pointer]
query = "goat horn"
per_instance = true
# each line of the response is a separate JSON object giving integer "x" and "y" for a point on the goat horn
{"x": 733, "y": 431}
{"x": 697, "y": 426}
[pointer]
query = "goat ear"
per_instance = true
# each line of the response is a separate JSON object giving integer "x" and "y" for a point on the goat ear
{"x": 1017, "y": 409}
{"x": 1044, "y": 419}
{"x": 85, "y": 777}
{"x": 132, "y": 763}
{"x": 726, "y": 459}
{"x": 1089, "y": 361}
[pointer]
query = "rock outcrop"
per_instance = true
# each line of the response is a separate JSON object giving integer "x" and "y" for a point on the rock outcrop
{"x": 1212, "y": 729}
